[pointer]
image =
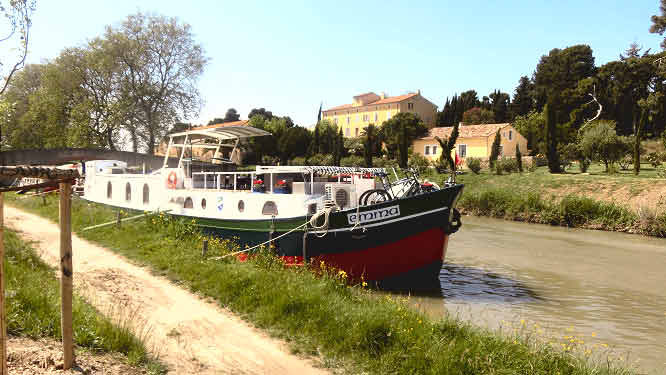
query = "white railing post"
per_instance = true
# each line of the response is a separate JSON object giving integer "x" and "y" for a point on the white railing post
{"x": 235, "y": 178}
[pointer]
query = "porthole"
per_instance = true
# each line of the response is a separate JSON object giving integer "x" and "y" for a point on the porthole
{"x": 188, "y": 203}
{"x": 109, "y": 190}
{"x": 128, "y": 192}
{"x": 203, "y": 203}
{"x": 270, "y": 208}
{"x": 241, "y": 206}
{"x": 146, "y": 194}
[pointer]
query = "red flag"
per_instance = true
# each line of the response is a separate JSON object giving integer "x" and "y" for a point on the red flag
{"x": 458, "y": 160}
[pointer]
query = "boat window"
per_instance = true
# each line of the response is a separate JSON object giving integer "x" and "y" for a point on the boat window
{"x": 188, "y": 203}
{"x": 312, "y": 208}
{"x": 146, "y": 194}
{"x": 270, "y": 208}
{"x": 241, "y": 206}
{"x": 128, "y": 192}
{"x": 203, "y": 203}
{"x": 109, "y": 190}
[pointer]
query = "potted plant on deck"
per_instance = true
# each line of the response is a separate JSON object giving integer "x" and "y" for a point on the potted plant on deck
{"x": 258, "y": 186}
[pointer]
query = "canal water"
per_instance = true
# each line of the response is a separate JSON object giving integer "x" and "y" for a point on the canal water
{"x": 605, "y": 290}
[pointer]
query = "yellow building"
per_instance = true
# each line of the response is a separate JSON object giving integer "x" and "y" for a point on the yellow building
{"x": 473, "y": 141}
{"x": 371, "y": 108}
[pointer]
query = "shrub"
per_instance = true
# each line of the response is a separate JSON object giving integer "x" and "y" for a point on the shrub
{"x": 655, "y": 158}
{"x": 533, "y": 165}
{"x": 320, "y": 159}
{"x": 474, "y": 164}
{"x": 299, "y": 160}
{"x": 379, "y": 162}
{"x": 539, "y": 161}
{"x": 419, "y": 163}
{"x": 507, "y": 165}
{"x": 352, "y": 161}
{"x": 269, "y": 160}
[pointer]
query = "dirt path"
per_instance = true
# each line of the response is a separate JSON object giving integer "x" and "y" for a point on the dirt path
{"x": 190, "y": 335}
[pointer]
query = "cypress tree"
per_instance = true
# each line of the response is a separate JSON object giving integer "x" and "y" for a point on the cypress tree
{"x": 495, "y": 150}
{"x": 637, "y": 140}
{"x": 551, "y": 137}
{"x": 519, "y": 159}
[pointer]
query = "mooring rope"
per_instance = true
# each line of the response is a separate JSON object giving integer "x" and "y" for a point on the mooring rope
{"x": 261, "y": 244}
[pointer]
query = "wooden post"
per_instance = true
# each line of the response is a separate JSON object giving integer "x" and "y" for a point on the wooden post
{"x": 118, "y": 216}
{"x": 66, "y": 274}
{"x": 3, "y": 327}
{"x": 204, "y": 249}
{"x": 305, "y": 246}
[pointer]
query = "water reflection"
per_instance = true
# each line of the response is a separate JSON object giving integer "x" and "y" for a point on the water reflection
{"x": 606, "y": 287}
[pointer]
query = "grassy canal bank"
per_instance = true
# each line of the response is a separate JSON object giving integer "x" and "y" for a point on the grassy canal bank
{"x": 33, "y": 310}
{"x": 594, "y": 200}
{"x": 348, "y": 328}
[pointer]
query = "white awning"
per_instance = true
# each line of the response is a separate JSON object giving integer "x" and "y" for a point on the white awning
{"x": 222, "y": 132}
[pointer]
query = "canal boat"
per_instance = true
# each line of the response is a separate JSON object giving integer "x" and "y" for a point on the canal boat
{"x": 361, "y": 220}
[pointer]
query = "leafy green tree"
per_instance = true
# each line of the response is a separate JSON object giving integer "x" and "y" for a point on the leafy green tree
{"x": 447, "y": 145}
{"x": 160, "y": 66}
{"x": 478, "y": 115}
{"x": 532, "y": 126}
{"x": 216, "y": 120}
{"x": 400, "y": 131}
{"x": 552, "y": 143}
{"x": 233, "y": 115}
{"x": 522, "y": 103}
{"x": 601, "y": 142}
{"x": 260, "y": 111}
{"x": 293, "y": 142}
{"x": 499, "y": 104}
{"x": 495, "y": 150}
{"x": 370, "y": 143}
{"x": 659, "y": 22}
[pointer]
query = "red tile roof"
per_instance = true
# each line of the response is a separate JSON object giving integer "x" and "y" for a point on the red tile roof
{"x": 466, "y": 131}
{"x": 392, "y": 99}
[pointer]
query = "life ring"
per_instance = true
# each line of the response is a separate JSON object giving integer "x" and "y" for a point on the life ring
{"x": 172, "y": 180}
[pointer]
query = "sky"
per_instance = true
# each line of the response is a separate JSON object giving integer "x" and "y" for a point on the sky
{"x": 289, "y": 56}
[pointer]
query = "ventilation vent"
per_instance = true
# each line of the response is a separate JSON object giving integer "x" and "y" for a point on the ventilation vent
{"x": 341, "y": 197}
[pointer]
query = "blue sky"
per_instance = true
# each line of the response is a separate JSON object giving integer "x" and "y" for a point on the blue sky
{"x": 288, "y": 56}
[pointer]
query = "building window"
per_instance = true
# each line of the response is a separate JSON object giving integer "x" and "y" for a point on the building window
{"x": 427, "y": 150}
{"x": 375, "y": 117}
{"x": 462, "y": 151}
{"x": 128, "y": 192}
{"x": 434, "y": 150}
{"x": 366, "y": 118}
{"x": 410, "y": 105}
{"x": 510, "y": 134}
{"x": 146, "y": 194}
{"x": 109, "y": 190}
{"x": 356, "y": 132}
{"x": 347, "y": 132}
{"x": 358, "y": 118}
{"x": 388, "y": 115}
{"x": 347, "y": 120}
{"x": 188, "y": 203}
{"x": 270, "y": 208}
{"x": 335, "y": 120}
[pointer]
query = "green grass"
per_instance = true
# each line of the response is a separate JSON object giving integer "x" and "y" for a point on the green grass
{"x": 33, "y": 309}
{"x": 566, "y": 199}
{"x": 350, "y": 328}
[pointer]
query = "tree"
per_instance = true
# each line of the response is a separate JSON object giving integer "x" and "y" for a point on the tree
{"x": 522, "y": 102}
{"x": 16, "y": 31}
{"x": 232, "y": 115}
{"x": 260, "y": 111}
{"x": 519, "y": 158}
{"x": 400, "y": 131}
{"x": 659, "y": 22}
{"x": 160, "y": 66}
{"x": 552, "y": 136}
{"x": 216, "y": 120}
{"x": 477, "y": 115}
{"x": 532, "y": 126}
{"x": 495, "y": 149}
{"x": 499, "y": 103}
{"x": 293, "y": 142}
{"x": 447, "y": 145}
{"x": 601, "y": 142}
{"x": 370, "y": 144}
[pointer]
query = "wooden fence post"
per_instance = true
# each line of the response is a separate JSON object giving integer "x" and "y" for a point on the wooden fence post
{"x": 66, "y": 274}
{"x": 3, "y": 327}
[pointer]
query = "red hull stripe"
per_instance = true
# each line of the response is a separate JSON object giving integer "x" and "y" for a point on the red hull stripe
{"x": 388, "y": 260}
